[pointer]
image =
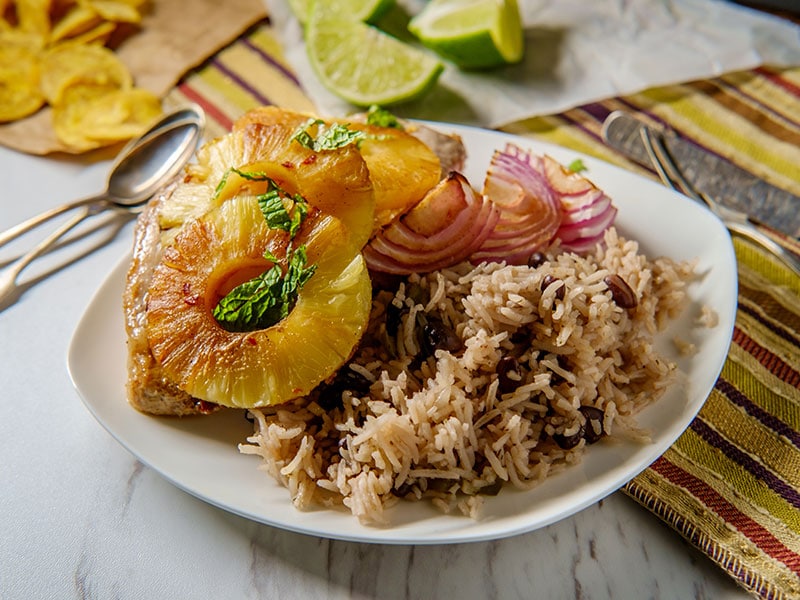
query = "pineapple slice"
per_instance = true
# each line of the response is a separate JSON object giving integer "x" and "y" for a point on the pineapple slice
{"x": 225, "y": 247}
{"x": 194, "y": 196}
{"x": 402, "y": 169}
{"x": 335, "y": 181}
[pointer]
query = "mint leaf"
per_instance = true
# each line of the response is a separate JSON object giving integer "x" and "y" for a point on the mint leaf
{"x": 303, "y": 137}
{"x": 270, "y": 297}
{"x": 253, "y": 304}
{"x": 266, "y": 299}
{"x": 382, "y": 118}
{"x": 273, "y": 207}
{"x": 298, "y": 215}
{"x": 576, "y": 166}
{"x": 250, "y": 176}
{"x": 298, "y": 274}
{"x": 330, "y": 137}
{"x": 275, "y": 213}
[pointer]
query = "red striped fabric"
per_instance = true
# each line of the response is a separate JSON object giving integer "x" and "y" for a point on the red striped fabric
{"x": 210, "y": 109}
{"x": 741, "y": 521}
{"x": 770, "y": 361}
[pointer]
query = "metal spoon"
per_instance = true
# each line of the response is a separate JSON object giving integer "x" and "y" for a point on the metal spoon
{"x": 142, "y": 167}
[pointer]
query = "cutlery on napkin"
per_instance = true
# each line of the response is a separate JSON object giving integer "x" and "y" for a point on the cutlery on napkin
{"x": 710, "y": 173}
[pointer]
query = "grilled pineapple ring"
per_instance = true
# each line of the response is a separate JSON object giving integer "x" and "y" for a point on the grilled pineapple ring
{"x": 225, "y": 247}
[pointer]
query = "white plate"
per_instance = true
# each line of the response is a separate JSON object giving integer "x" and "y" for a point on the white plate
{"x": 200, "y": 455}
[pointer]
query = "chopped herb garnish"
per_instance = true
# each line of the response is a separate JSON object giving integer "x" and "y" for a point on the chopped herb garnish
{"x": 576, "y": 166}
{"x": 249, "y": 175}
{"x": 382, "y": 118}
{"x": 273, "y": 207}
{"x": 328, "y": 137}
{"x": 268, "y": 298}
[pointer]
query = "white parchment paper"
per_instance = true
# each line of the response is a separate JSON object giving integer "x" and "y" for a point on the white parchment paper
{"x": 579, "y": 51}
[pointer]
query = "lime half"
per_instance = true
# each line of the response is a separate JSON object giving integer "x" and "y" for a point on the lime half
{"x": 474, "y": 34}
{"x": 365, "y": 66}
{"x": 356, "y": 10}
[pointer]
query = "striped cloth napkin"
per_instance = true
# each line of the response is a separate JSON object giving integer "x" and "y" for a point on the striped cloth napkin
{"x": 731, "y": 484}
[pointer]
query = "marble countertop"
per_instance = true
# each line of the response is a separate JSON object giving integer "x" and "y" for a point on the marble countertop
{"x": 82, "y": 518}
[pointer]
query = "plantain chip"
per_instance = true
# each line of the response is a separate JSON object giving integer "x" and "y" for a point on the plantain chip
{"x": 72, "y": 64}
{"x": 20, "y": 95}
{"x": 96, "y": 35}
{"x": 53, "y": 52}
{"x": 77, "y": 20}
{"x": 34, "y": 16}
{"x": 91, "y": 120}
{"x": 116, "y": 12}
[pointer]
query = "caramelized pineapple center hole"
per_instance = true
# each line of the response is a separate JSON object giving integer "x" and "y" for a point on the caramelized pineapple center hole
{"x": 234, "y": 275}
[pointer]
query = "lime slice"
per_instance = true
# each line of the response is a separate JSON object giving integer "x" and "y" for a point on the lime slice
{"x": 356, "y": 10}
{"x": 474, "y": 34}
{"x": 365, "y": 66}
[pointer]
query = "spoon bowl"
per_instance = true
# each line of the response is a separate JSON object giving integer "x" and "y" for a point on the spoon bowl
{"x": 148, "y": 162}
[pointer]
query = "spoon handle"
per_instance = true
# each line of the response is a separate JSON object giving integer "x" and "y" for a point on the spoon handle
{"x": 8, "y": 279}
{"x": 17, "y": 230}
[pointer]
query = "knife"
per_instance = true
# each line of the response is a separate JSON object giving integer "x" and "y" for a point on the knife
{"x": 727, "y": 183}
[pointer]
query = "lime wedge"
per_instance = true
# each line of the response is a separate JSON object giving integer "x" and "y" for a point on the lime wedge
{"x": 474, "y": 34}
{"x": 365, "y": 66}
{"x": 356, "y": 10}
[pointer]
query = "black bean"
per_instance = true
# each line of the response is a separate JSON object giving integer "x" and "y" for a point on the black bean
{"x": 506, "y": 365}
{"x": 548, "y": 280}
{"x": 621, "y": 292}
{"x": 537, "y": 259}
{"x": 356, "y": 382}
{"x": 415, "y": 292}
{"x": 415, "y": 364}
{"x": 330, "y": 394}
{"x": 492, "y": 489}
{"x": 438, "y": 336}
{"x": 440, "y": 485}
{"x": 520, "y": 336}
{"x": 567, "y": 442}
{"x": 403, "y": 490}
{"x": 394, "y": 317}
{"x": 593, "y": 429}
{"x": 330, "y": 397}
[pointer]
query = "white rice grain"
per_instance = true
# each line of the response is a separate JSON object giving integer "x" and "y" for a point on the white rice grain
{"x": 437, "y": 427}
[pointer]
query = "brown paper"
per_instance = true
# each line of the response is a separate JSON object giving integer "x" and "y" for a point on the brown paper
{"x": 175, "y": 36}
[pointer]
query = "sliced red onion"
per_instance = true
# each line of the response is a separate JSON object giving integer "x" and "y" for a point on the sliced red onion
{"x": 527, "y": 202}
{"x": 587, "y": 228}
{"x": 444, "y": 228}
{"x": 588, "y": 211}
{"x": 530, "y": 211}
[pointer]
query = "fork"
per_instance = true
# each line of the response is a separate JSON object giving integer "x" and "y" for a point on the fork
{"x": 736, "y": 221}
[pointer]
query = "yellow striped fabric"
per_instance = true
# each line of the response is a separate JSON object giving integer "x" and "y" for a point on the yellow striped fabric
{"x": 249, "y": 73}
{"x": 731, "y": 483}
